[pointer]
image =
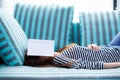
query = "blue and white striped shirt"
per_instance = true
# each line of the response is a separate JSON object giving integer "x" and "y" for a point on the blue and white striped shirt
{"x": 83, "y": 57}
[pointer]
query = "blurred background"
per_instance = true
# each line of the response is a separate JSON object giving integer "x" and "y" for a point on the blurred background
{"x": 79, "y": 5}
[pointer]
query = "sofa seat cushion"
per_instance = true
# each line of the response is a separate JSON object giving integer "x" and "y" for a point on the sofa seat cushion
{"x": 49, "y": 22}
{"x": 99, "y": 27}
{"x": 13, "y": 41}
{"x": 56, "y": 73}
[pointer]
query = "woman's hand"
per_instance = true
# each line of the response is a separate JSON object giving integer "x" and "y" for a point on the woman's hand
{"x": 56, "y": 54}
{"x": 94, "y": 47}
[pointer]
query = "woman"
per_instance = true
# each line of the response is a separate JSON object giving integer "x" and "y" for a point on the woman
{"x": 91, "y": 57}
{"x": 74, "y": 56}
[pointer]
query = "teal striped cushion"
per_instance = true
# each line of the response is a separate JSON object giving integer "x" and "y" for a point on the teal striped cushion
{"x": 13, "y": 41}
{"x": 76, "y": 35}
{"x": 45, "y": 22}
{"x": 99, "y": 27}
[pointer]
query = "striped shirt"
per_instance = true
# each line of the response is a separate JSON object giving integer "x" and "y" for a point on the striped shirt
{"x": 85, "y": 58}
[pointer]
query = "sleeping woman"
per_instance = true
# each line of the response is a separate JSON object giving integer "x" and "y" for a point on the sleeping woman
{"x": 90, "y": 57}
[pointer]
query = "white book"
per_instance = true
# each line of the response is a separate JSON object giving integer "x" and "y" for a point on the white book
{"x": 40, "y": 47}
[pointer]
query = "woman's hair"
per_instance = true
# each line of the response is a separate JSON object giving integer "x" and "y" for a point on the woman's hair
{"x": 38, "y": 60}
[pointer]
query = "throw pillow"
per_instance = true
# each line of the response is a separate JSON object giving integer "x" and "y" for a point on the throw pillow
{"x": 49, "y": 22}
{"x": 13, "y": 41}
{"x": 99, "y": 27}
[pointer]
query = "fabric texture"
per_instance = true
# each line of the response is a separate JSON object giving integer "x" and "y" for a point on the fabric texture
{"x": 56, "y": 73}
{"x": 13, "y": 41}
{"x": 84, "y": 58}
{"x": 49, "y": 22}
{"x": 76, "y": 35}
{"x": 99, "y": 27}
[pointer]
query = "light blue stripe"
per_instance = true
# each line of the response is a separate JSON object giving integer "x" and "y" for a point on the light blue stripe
{"x": 63, "y": 28}
{"x": 8, "y": 56}
{"x": 1, "y": 36}
{"x": 5, "y": 50}
{"x": 51, "y": 23}
{"x": 106, "y": 28}
{"x": 94, "y": 28}
{"x": 15, "y": 10}
{"x": 75, "y": 33}
{"x": 3, "y": 43}
{"x": 18, "y": 11}
{"x": 33, "y": 22}
{"x": 112, "y": 24}
{"x": 69, "y": 24}
{"x": 57, "y": 26}
{"x": 27, "y": 26}
{"x": 88, "y": 28}
{"x": 46, "y": 22}
{"x": 39, "y": 21}
{"x": 100, "y": 28}
{"x": 82, "y": 27}
{"x": 23, "y": 15}
{"x": 15, "y": 62}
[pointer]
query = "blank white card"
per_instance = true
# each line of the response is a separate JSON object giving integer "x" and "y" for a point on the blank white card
{"x": 40, "y": 47}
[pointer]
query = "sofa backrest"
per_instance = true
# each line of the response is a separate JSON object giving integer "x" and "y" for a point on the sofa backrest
{"x": 76, "y": 35}
{"x": 49, "y": 22}
{"x": 99, "y": 27}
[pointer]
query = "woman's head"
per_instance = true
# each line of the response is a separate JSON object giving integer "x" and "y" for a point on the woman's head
{"x": 38, "y": 60}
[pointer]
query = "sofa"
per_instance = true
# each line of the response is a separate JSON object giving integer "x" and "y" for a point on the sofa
{"x": 53, "y": 22}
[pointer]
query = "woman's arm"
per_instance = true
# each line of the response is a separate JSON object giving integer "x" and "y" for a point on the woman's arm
{"x": 111, "y": 65}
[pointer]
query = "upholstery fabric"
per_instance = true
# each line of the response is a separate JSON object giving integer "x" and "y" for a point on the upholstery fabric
{"x": 50, "y": 22}
{"x": 13, "y": 41}
{"x": 76, "y": 35}
{"x": 56, "y": 73}
{"x": 99, "y": 27}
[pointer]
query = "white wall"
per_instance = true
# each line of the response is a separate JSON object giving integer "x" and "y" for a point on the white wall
{"x": 118, "y": 4}
{"x": 79, "y": 5}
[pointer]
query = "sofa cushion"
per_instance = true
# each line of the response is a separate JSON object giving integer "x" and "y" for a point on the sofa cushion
{"x": 99, "y": 27}
{"x": 13, "y": 41}
{"x": 76, "y": 35}
{"x": 49, "y": 22}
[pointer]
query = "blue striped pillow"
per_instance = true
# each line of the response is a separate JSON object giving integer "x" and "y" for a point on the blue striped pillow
{"x": 99, "y": 27}
{"x": 13, "y": 41}
{"x": 48, "y": 22}
{"x": 76, "y": 35}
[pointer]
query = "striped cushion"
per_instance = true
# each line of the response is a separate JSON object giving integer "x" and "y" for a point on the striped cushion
{"x": 13, "y": 41}
{"x": 45, "y": 22}
{"x": 99, "y": 27}
{"x": 76, "y": 33}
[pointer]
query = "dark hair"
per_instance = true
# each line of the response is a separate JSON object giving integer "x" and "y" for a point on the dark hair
{"x": 38, "y": 60}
